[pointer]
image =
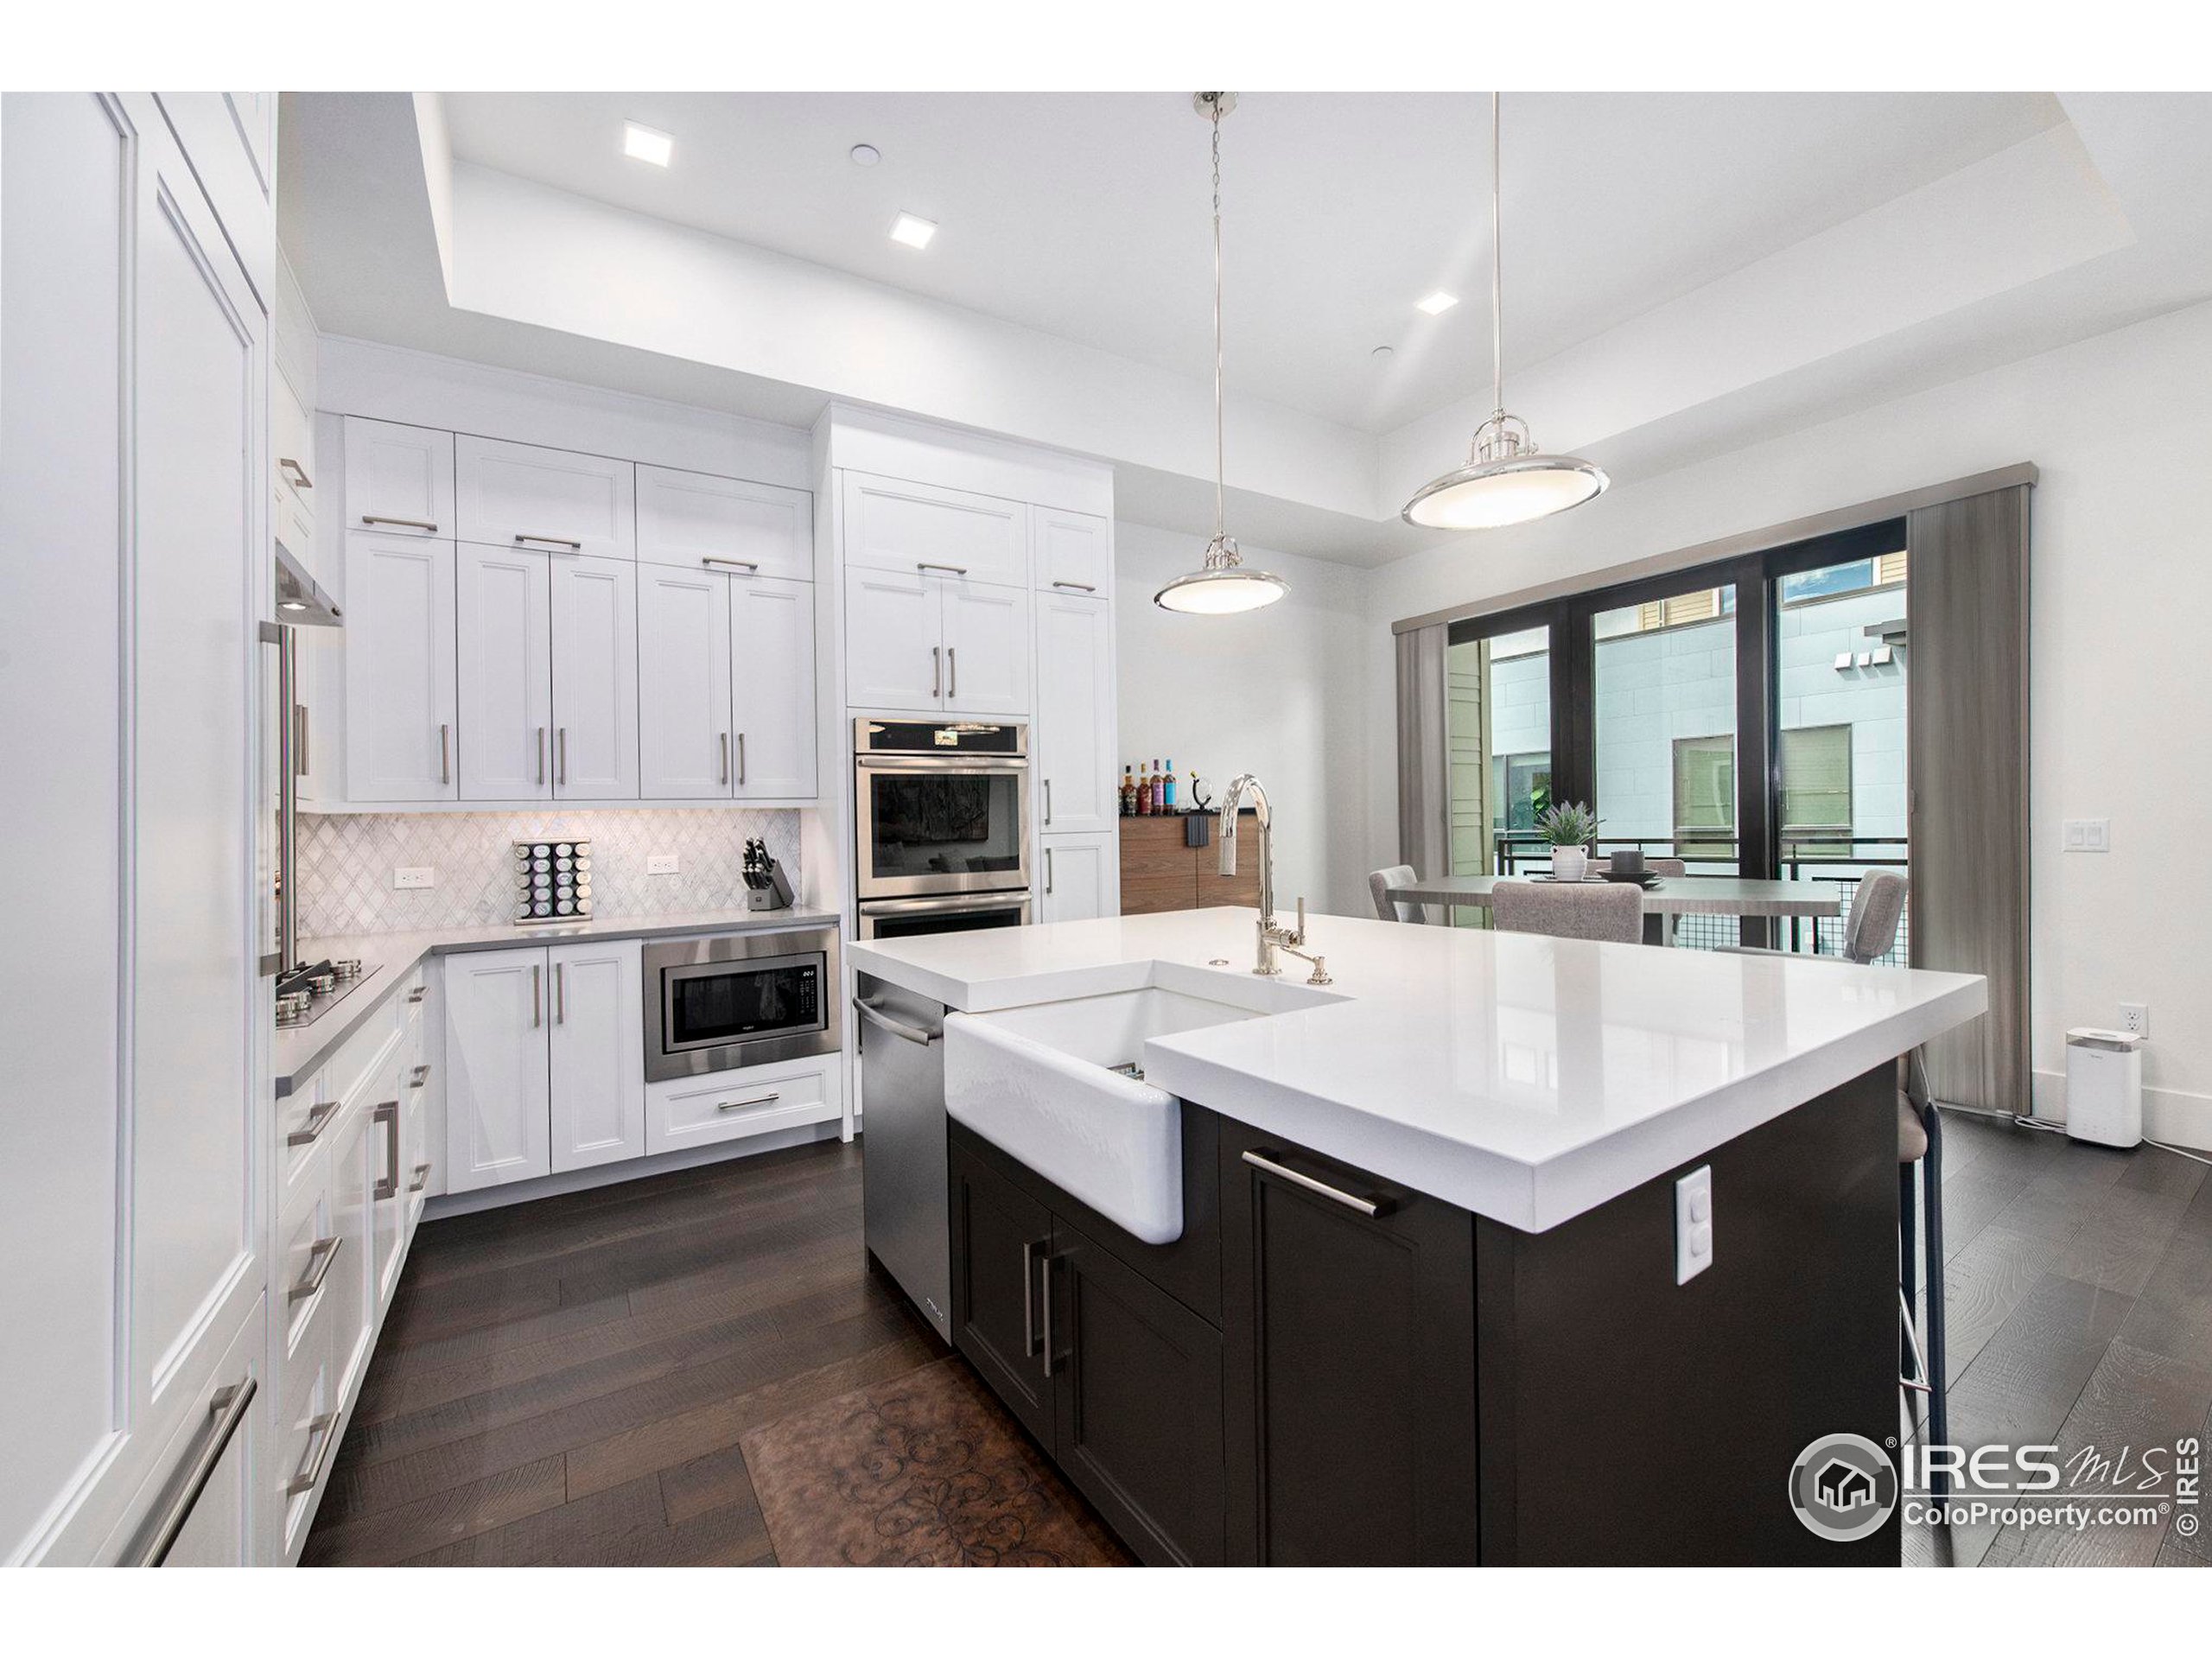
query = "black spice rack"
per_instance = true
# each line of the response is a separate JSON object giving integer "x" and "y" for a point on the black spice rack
{"x": 552, "y": 881}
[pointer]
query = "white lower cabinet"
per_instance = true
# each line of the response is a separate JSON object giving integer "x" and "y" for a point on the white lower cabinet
{"x": 545, "y": 1061}
{"x": 1081, "y": 878}
{"x": 730, "y": 1105}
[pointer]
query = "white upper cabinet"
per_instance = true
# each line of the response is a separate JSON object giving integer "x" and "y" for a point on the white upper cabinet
{"x": 696, "y": 519}
{"x": 398, "y": 478}
{"x": 498, "y": 1068}
{"x": 1075, "y": 715}
{"x": 400, "y": 700}
{"x": 1081, "y": 877}
{"x": 986, "y": 649}
{"x": 684, "y": 684}
{"x": 504, "y": 652}
{"x": 891, "y": 524}
{"x": 597, "y": 1102}
{"x": 291, "y": 431}
{"x": 594, "y": 678}
{"x": 519, "y": 495}
{"x": 894, "y": 649}
{"x": 1074, "y": 551}
{"x": 772, "y": 677}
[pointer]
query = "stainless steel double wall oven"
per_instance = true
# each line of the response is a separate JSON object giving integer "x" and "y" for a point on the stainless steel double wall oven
{"x": 941, "y": 811}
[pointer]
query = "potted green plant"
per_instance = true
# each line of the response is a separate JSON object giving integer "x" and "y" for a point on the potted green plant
{"x": 1570, "y": 828}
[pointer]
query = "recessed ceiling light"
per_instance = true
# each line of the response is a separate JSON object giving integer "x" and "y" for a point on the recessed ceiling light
{"x": 1437, "y": 303}
{"x": 646, "y": 143}
{"x": 865, "y": 155}
{"x": 913, "y": 231}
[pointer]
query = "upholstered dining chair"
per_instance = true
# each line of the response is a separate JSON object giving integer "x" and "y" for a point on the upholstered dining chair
{"x": 1381, "y": 881}
{"x": 1610, "y": 911}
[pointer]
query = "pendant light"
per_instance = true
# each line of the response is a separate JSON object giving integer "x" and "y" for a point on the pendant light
{"x": 1507, "y": 480}
{"x": 1226, "y": 583}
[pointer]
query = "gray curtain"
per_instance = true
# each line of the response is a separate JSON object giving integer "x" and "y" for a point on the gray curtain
{"x": 1424, "y": 756}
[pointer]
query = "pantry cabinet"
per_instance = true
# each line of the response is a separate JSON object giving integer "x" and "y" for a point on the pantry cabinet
{"x": 402, "y": 709}
{"x": 521, "y": 495}
{"x": 1074, "y": 739}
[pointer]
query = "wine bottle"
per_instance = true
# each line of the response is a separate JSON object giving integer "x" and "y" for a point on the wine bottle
{"x": 1167, "y": 786}
{"x": 1128, "y": 791}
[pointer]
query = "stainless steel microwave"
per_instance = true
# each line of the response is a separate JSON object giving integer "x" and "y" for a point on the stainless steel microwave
{"x": 721, "y": 1000}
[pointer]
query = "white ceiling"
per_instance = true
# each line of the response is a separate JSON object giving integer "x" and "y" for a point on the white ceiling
{"x": 1085, "y": 215}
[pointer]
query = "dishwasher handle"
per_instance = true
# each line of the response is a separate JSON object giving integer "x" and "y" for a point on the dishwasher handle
{"x": 916, "y": 1034}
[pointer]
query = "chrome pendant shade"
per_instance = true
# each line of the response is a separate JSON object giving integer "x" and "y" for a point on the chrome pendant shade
{"x": 1224, "y": 584}
{"x": 1507, "y": 479}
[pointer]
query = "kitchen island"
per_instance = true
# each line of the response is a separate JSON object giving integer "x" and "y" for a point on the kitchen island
{"x": 1391, "y": 1267}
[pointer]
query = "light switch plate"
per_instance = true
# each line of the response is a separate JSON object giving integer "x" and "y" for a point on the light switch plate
{"x": 1693, "y": 1223}
{"x": 661, "y": 864}
{"x": 406, "y": 878}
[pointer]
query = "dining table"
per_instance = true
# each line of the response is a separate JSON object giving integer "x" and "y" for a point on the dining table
{"x": 1664, "y": 896}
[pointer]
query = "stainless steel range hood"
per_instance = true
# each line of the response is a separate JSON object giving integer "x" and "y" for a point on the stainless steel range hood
{"x": 300, "y": 602}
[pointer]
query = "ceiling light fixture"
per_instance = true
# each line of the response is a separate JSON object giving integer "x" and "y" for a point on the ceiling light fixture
{"x": 1506, "y": 481}
{"x": 865, "y": 155}
{"x": 646, "y": 143}
{"x": 913, "y": 230}
{"x": 1437, "y": 303}
{"x": 1224, "y": 584}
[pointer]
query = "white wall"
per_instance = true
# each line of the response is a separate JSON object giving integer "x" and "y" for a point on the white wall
{"x": 2121, "y": 582}
{"x": 1275, "y": 692}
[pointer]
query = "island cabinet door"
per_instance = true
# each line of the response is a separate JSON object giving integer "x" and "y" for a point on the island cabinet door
{"x": 1137, "y": 1403}
{"x": 1348, "y": 1318}
{"x": 1001, "y": 1237}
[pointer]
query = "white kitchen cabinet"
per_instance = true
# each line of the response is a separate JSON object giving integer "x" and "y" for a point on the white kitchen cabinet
{"x": 520, "y": 495}
{"x": 291, "y": 430}
{"x": 594, "y": 678}
{"x": 684, "y": 684}
{"x": 398, "y": 478}
{"x": 1073, "y": 740}
{"x": 498, "y": 1068}
{"x": 986, "y": 649}
{"x": 350, "y": 1289}
{"x": 684, "y": 1112}
{"x": 1081, "y": 878}
{"x": 401, "y": 707}
{"x": 598, "y": 1089}
{"x": 705, "y": 522}
{"x": 771, "y": 681}
{"x": 1071, "y": 552}
{"x": 892, "y": 525}
{"x": 503, "y": 661}
{"x": 225, "y": 1525}
{"x": 386, "y": 1108}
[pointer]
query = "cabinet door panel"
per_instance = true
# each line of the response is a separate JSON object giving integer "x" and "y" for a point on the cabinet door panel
{"x": 1075, "y": 715}
{"x": 683, "y": 518}
{"x": 683, "y": 689}
{"x": 518, "y": 494}
{"x": 497, "y": 1069}
{"x": 772, "y": 677}
{"x": 597, "y": 1097}
{"x": 1137, "y": 1397}
{"x": 1074, "y": 551}
{"x": 895, "y": 525}
{"x": 1081, "y": 878}
{"x": 1001, "y": 1237}
{"x": 986, "y": 649}
{"x": 504, "y": 663}
{"x": 594, "y": 678}
{"x": 398, "y": 478}
{"x": 388, "y": 1201}
{"x": 401, "y": 705}
{"x": 350, "y": 1290}
{"x": 895, "y": 651}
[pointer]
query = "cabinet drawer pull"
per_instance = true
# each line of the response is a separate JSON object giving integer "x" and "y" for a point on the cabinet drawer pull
{"x": 387, "y": 1113}
{"x": 746, "y": 565}
{"x": 299, "y": 474}
{"x": 1080, "y": 586}
{"x": 407, "y": 523}
{"x": 323, "y": 1434}
{"x": 419, "y": 1076}
{"x": 417, "y": 995}
{"x": 553, "y": 541}
{"x": 319, "y": 1116}
{"x": 422, "y": 1178}
{"x": 739, "y": 1105}
{"x": 225, "y": 1411}
{"x": 1369, "y": 1207}
{"x": 950, "y": 569}
{"x": 321, "y": 1254}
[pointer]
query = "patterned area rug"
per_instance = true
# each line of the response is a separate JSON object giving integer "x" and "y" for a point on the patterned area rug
{"x": 926, "y": 1470}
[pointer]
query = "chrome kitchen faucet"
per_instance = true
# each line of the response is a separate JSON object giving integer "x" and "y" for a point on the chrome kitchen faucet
{"x": 1272, "y": 937}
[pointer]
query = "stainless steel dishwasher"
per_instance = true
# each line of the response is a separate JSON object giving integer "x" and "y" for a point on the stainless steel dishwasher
{"x": 903, "y": 1172}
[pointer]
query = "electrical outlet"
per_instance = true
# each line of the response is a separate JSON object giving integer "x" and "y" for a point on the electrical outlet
{"x": 2135, "y": 1017}
{"x": 2088, "y": 836}
{"x": 1693, "y": 1223}
{"x": 660, "y": 864}
{"x": 406, "y": 878}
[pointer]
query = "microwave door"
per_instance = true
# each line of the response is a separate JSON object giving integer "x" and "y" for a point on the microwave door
{"x": 934, "y": 829}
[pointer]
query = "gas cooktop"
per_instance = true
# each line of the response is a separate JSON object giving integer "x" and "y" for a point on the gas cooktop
{"x": 305, "y": 994}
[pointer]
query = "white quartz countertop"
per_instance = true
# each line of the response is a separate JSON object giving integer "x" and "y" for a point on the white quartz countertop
{"x": 1525, "y": 1077}
{"x": 388, "y": 958}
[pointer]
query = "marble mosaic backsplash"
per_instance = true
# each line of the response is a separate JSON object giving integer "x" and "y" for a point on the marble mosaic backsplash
{"x": 347, "y": 860}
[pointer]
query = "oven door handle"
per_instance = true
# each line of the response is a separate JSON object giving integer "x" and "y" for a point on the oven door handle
{"x": 981, "y": 765}
{"x": 898, "y": 1028}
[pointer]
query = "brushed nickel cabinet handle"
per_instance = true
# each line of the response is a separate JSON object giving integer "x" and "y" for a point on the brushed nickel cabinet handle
{"x": 740, "y": 760}
{"x": 300, "y": 740}
{"x": 553, "y": 541}
{"x": 560, "y": 993}
{"x": 537, "y": 1007}
{"x": 226, "y": 1410}
{"x": 318, "y": 1120}
{"x": 1048, "y": 868}
{"x": 725, "y": 744}
{"x": 541, "y": 754}
{"x": 748, "y": 566}
{"x": 445, "y": 755}
{"x": 952, "y": 569}
{"x": 387, "y": 1113}
{"x": 1080, "y": 586}
{"x": 937, "y": 671}
{"x": 321, "y": 1254}
{"x": 417, "y": 995}
{"x": 564, "y": 779}
{"x": 422, "y": 1178}
{"x": 408, "y": 523}
{"x": 952, "y": 670}
{"x": 322, "y": 1435}
{"x": 1048, "y": 800}
{"x": 419, "y": 1076}
{"x": 1370, "y": 1207}
{"x": 739, "y": 1105}
{"x": 300, "y": 478}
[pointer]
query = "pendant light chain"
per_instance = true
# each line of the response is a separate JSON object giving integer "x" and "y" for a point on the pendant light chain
{"x": 1220, "y": 509}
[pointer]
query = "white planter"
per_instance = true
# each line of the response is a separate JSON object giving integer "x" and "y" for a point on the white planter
{"x": 1568, "y": 863}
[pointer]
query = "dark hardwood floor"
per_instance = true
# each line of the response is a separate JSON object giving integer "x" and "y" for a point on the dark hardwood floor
{"x": 566, "y": 1381}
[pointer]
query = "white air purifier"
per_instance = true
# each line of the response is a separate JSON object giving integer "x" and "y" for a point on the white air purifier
{"x": 2104, "y": 1086}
